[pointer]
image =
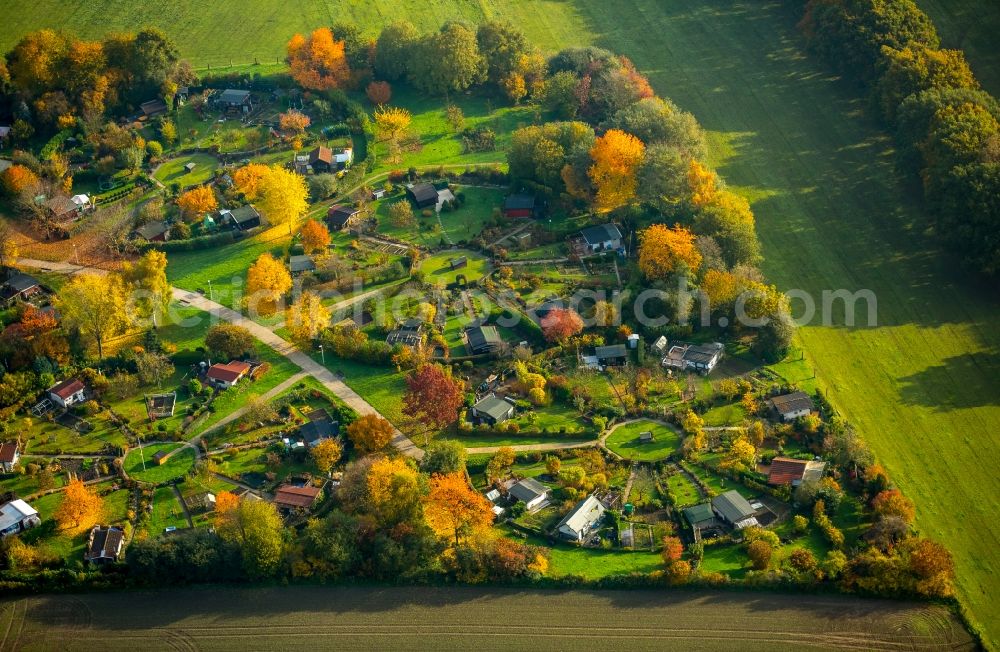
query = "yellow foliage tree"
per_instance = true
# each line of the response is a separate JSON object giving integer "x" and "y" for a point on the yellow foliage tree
{"x": 197, "y": 201}
{"x": 325, "y": 454}
{"x": 721, "y": 288}
{"x": 703, "y": 184}
{"x": 95, "y": 305}
{"x": 616, "y": 156}
{"x": 249, "y": 179}
{"x": 370, "y": 433}
{"x": 453, "y": 508}
{"x": 662, "y": 250}
{"x": 392, "y": 122}
{"x": 387, "y": 479}
{"x": 80, "y": 508}
{"x": 267, "y": 281}
{"x": 307, "y": 317}
{"x": 741, "y": 454}
{"x": 284, "y": 196}
{"x": 318, "y": 62}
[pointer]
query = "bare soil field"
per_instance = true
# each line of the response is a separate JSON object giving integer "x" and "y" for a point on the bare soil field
{"x": 420, "y": 618}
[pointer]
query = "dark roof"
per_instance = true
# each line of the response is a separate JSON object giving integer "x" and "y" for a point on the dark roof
{"x": 702, "y": 353}
{"x": 341, "y": 214}
{"x": 234, "y": 96}
{"x": 528, "y": 489}
{"x": 518, "y": 202}
{"x": 610, "y": 351}
{"x": 323, "y": 154}
{"x": 318, "y": 429}
{"x": 151, "y": 230}
{"x": 67, "y": 388}
{"x": 159, "y": 455}
{"x": 153, "y": 107}
{"x": 545, "y": 308}
{"x": 483, "y": 336}
{"x": 732, "y": 506}
{"x": 21, "y": 282}
{"x": 698, "y": 514}
{"x": 493, "y": 406}
{"x": 105, "y": 543}
{"x": 792, "y": 402}
{"x": 8, "y": 450}
{"x": 61, "y": 205}
{"x": 291, "y": 496}
{"x": 601, "y": 233}
{"x": 244, "y": 213}
{"x": 300, "y": 264}
{"x": 422, "y": 192}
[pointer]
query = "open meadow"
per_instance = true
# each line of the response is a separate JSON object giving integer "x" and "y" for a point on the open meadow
{"x": 832, "y": 214}
{"x": 462, "y": 618}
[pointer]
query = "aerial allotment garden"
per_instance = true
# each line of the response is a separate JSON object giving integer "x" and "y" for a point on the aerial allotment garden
{"x": 393, "y": 286}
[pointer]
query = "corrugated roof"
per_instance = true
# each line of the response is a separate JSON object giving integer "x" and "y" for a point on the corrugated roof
{"x": 291, "y": 496}
{"x": 732, "y": 506}
{"x": 794, "y": 402}
{"x": 528, "y": 489}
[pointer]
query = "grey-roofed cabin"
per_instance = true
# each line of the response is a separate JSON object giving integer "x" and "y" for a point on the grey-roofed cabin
{"x": 492, "y": 410}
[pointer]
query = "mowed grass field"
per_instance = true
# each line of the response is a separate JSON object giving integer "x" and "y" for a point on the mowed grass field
{"x": 463, "y": 618}
{"x": 832, "y": 213}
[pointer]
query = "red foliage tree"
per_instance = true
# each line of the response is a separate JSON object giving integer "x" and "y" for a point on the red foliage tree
{"x": 432, "y": 396}
{"x": 560, "y": 324}
{"x": 379, "y": 92}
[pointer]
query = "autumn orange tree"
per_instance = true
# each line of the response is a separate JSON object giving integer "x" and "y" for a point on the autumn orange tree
{"x": 307, "y": 317}
{"x": 453, "y": 508}
{"x": 432, "y": 397}
{"x": 892, "y": 502}
{"x": 197, "y": 201}
{"x": 370, "y": 433}
{"x": 267, "y": 281}
{"x": 560, "y": 324}
{"x": 293, "y": 121}
{"x": 616, "y": 158}
{"x": 80, "y": 508}
{"x": 318, "y": 62}
{"x": 315, "y": 236}
{"x": 18, "y": 178}
{"x": 249, "y": 179}
{"x": 663, "y": 251}
{"x": 672, "y": 550}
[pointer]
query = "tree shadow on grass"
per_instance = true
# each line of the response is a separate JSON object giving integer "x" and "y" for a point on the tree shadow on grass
{"x": 959, "y": 382}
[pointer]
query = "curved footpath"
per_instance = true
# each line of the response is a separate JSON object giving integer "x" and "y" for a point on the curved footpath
{"x": 265, "y": 335}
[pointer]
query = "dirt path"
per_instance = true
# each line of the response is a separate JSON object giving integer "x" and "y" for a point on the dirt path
{"x": 520, "y": 448}
{"x": 510, "y": 235}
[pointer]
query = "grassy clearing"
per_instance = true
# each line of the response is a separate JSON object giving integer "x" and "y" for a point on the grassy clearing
{"x": 624, "y": 440}
{"x": 173, "y": 170}
{"x": 140, "y": 466}
{"x": 437, "y": 268}
{"x": 457, "y": 226}
{"x": 225, "y": 267}
{"x": 167, "y": 512}
{"x": 684, "y": 491}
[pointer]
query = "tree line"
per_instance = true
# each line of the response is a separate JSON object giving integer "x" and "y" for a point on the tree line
{"x": 946, "y": 126}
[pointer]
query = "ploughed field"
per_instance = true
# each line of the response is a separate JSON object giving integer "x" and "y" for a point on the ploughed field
{"x": 464, "y": 618}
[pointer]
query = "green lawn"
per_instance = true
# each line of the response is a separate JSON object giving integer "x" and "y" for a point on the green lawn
{"x": 684, "y": 491}
{"x": 437, "y": 268}
{"x": 831, "y": 212}
{"x": 624, "y": 440}
{"x": 461, "y": 225}
{"x": 140, "y": 466}
{"x": 167, "y": 512}
{"x": 731, "y": 414}
{"x": 173, "y": 170}
{"x": 225, "y": 267}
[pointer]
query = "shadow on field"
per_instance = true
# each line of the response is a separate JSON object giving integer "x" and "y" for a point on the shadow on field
{"x": 960, "y": 382}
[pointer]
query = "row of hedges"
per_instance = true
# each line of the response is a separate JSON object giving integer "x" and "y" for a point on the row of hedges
{"x": 201, "y": 242}
{"x": 944, "y": 123}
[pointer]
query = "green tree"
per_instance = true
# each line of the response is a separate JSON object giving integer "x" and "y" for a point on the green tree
{"x": 443, "y": 456}
{"x": 256, "y": 528}
{"x": 229, "y": 341}
{"x": 447, "y": 61}
{"x": 502, "y": 45}
{"x": 394, "y": 50}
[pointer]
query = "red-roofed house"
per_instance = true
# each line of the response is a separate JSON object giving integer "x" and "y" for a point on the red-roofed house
{"x": 225, "y": 376}
{"x": 289, "y": 497}
{"x": 785, "y": 470}
{"x": 9, "y": 455}
{"x": 67, "y": 392}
